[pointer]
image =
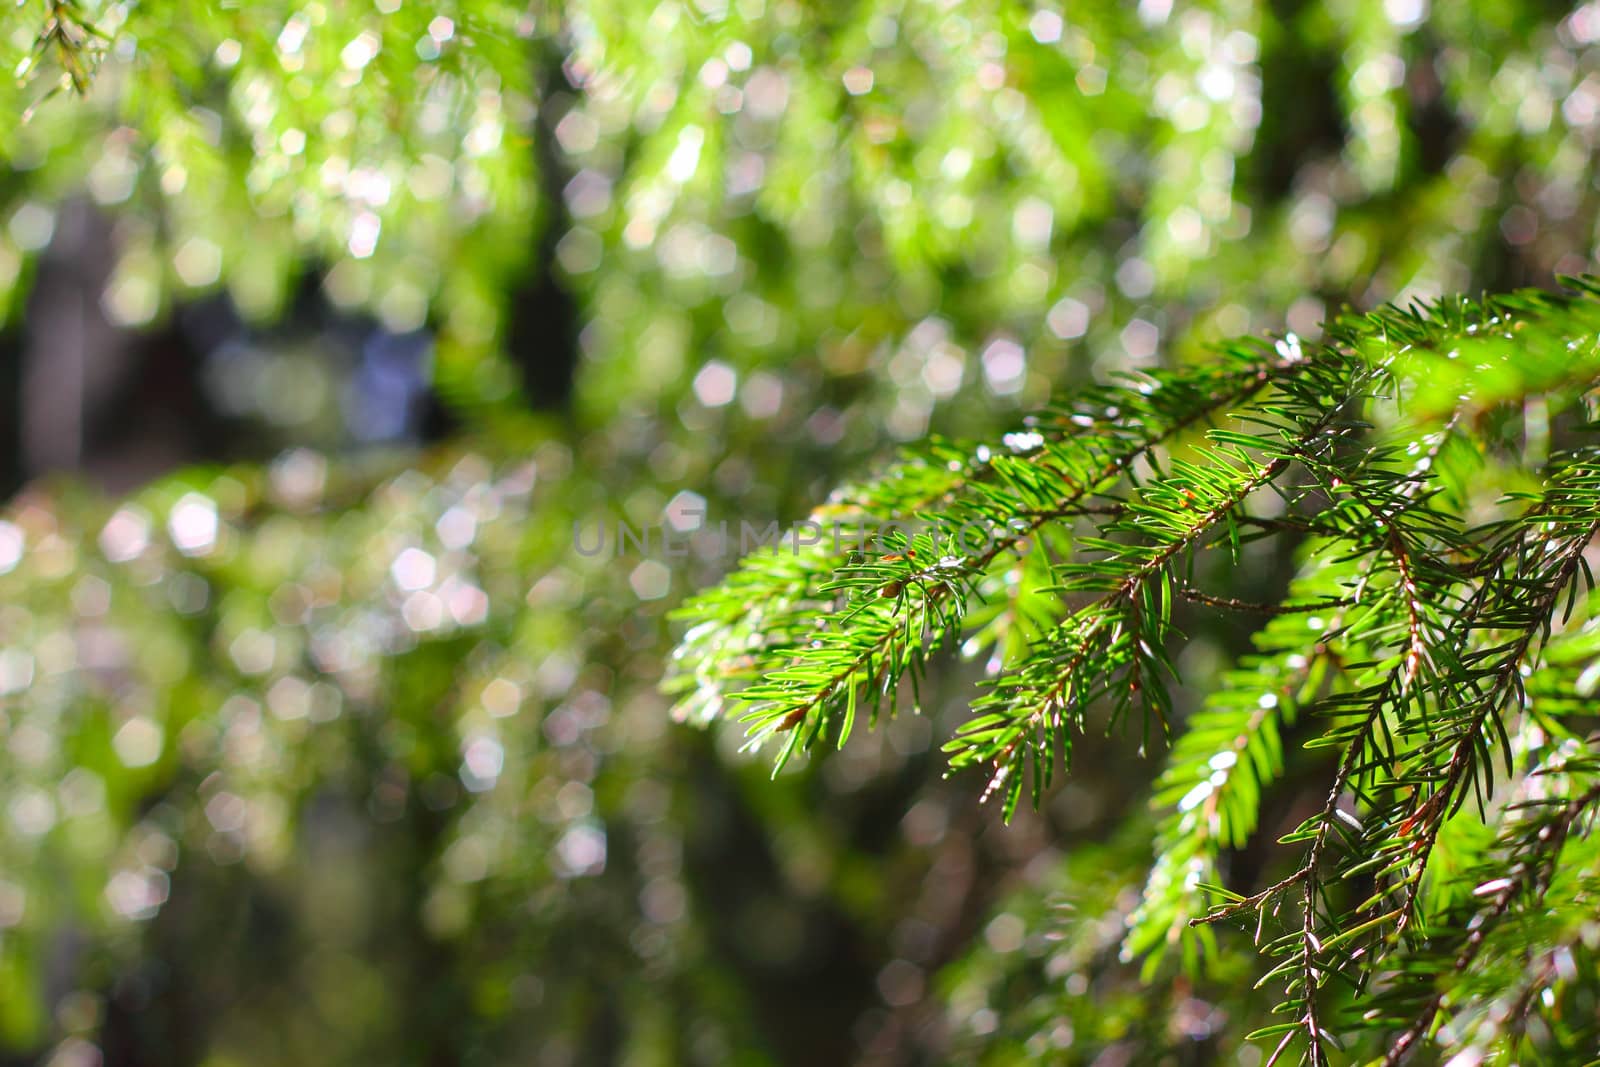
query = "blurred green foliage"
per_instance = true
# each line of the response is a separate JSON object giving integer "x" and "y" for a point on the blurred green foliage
{"x": 345, "y": 756}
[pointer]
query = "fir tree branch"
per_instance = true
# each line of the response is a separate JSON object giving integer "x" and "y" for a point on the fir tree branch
{"x": 1259, "y": 608}
{"x": 1528, "y": 874}
{"x": 1425, "y": 617}
{"x": 927, "y": 601}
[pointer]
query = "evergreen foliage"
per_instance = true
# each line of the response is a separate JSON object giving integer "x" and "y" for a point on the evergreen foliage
{"x": 380, "y": 773}
{"x": 1434, "y": 472}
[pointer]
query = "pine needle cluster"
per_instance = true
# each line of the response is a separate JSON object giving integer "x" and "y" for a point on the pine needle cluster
{"x": 1433, "y": 475}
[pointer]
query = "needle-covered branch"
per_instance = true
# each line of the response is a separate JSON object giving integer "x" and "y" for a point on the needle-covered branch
{"x": 1433, "y": 475}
